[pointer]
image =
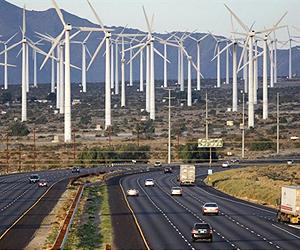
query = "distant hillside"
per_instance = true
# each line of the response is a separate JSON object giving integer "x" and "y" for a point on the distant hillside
{"x": 48, "y": 22}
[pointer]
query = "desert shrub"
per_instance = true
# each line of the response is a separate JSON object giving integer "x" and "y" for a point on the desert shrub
{"x": 19, "y": 129}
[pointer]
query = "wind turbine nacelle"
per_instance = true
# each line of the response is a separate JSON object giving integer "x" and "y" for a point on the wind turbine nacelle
{"x": 68, "y": 27}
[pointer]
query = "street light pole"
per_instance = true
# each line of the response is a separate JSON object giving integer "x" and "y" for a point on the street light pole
{"x": 206, "y": 127}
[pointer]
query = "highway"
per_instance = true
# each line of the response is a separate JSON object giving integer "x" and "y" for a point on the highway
{"x": 17, "y": 196}
{"x": 166, "y": 220}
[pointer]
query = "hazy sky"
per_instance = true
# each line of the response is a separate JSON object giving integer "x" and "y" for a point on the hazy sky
{"x": 181, "y": 15}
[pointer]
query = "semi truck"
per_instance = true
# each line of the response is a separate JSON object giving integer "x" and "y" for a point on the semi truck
{"x": 289, "y": 209}
{"x": 187, "y": 175}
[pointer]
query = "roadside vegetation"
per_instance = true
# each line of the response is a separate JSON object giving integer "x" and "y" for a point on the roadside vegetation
{"x": 92, "y": 228}
{"x": 257, "y": 184}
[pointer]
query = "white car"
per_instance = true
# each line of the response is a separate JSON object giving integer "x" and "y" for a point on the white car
{"x": 225, "y": 164}
{"x": 149, "y": 182}
{"x": 176, "y": 191}
{"x": 210, "y": 208}
{"x": 132, "y": 192}
{"x": 290, "y": 162}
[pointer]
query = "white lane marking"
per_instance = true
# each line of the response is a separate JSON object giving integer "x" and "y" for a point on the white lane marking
{"x": 296, "y": 236}
{"x": 166, "y": 217}
{"x": 194, "y": 214}
{"x": 228, "y": 217}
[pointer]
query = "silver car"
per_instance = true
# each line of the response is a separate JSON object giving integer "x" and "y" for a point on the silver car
{"x": 210, "y": 208}
{"x": 176, "y": 191}
{"x": 132, "y": 192}
{"x": 149, "y": 182}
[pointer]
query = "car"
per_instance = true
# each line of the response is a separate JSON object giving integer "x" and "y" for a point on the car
{"x": 235, "y": 160}
{"x": 149, "y": 182}
{"x": 34, "y": 178}
{"x": 132, "y": 192}
{"x": 225, "y": 164}
{"x": 202, "y": 231}
{"x": 290, "y": 162}
{"x": 176, "y": 191}
{"x": 42, "y": 183}
{"x": 167, "y": 170}
{"x": 157, "y": 164}
{"x": 133, "y": 161}
{"x": 76, "y": 169}
{"x": 210, "y": 208}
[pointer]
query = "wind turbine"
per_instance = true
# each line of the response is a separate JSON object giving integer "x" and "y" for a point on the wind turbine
{"x": 85, "y": 51}
{"x": 107, "y": 38}
{"x": 198, "y": 41}
{"x": 67, "y": 28}
{"x": 6, "y": 65}
{"x": 190, "y": 64}
{"x": 149, "y": 44}
{"x": 250, "y": 35}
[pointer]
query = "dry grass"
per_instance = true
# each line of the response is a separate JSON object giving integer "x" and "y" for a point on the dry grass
{"x": 258, "y": 184}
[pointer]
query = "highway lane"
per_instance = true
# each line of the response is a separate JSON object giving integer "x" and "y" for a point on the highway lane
{"x": 17, "y": 195}
{"x": 241, "y": 225}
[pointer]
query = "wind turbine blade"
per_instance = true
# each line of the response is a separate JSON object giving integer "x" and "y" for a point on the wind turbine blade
{"x": 38, "y": 50}
{"x": 213, "y": 36}
{"x": 24, "y": 21}
{"x": 269, "y": 31}
{"x": 170, "y": 44}
{"x": 134, "y": 47}
{"x": 55, "y": 43}
{"x": 244, "y": 26}
{"x": 75, "y": 34}
{"x": 19, "y": 52}
{"x": 195, "y": 67}
{"x": 202, "y": 38}
{"x": 9, "y": 65}
{"x": 11, "y": 38}
{"x": 134, "y": 56}
{"x": 11, "y": 47}
{"x": 45, "y": 37}
{"x": 74, "y": 67}
{"x": 243, "y": 51}
{"x": 147, "y": 21}
{"x": 158, "y": 53}
{"x": 225, "y": 48}
{"x": 279, "y": 21}
{"x": 88, "y": 51}
{"x": 171, "y": 36}
{"x": 87, "y": 37}
{"x": 152, "y": 22}
{"x": 58, "y": 11}
{"x": 96, "y": 52}
{"x": 96, "y": 15}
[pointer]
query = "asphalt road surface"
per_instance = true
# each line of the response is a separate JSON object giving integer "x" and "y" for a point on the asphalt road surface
{"x": 166, "y": 220}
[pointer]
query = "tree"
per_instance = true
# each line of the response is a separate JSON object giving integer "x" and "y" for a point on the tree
{"x": 19, "y": 129}
{"x": 6, "y": 96}
{"x": 190, "y": 152}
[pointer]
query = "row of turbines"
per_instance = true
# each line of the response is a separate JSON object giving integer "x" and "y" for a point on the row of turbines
{"x": 118, "y": 44}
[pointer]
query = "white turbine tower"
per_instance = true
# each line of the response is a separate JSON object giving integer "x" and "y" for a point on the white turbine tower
{"x": 107, "y": 38}
{"x": 85, "y": 51}
{"x": 67, "y": 90}
{"x": 198, "y": 41}
{"x": 5, "y": 64}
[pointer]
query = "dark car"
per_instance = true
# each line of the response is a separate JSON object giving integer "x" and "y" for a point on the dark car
{"x": 202, "y": 231}
{"x": 167, "y": 170}
{"x": 43, "y": 183}
{"x": 76, "y": 170}
{"x": 34, "y": 178}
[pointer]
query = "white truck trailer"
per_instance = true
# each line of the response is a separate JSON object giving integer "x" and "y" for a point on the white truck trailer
{"x": 187, "y": 175}
{"x": 289, "y": 210}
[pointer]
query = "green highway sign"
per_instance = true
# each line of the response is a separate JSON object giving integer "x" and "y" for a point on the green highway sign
{"x": 210, "y": 143}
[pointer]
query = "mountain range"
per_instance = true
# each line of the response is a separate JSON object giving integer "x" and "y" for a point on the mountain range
{"x": 48, "y": 22}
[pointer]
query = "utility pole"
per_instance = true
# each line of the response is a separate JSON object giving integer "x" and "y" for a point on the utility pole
{"x": 169, "y": 130}
{"x": 7, "y": 154}
{"x": 34, "y": 150}
{"x": 206, "y": 126}
{"x": 138, "y": 134}
{"x": 74, "y": 146}
{"x": 243, "y": 128}
{"x": 277, "y": 123}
